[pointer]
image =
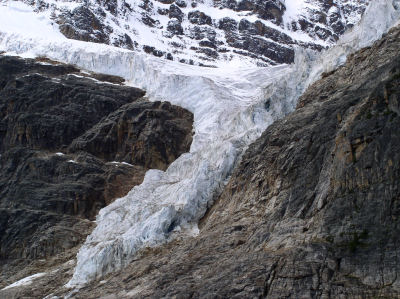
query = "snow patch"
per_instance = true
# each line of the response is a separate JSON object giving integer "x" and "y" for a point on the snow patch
{"x": 19, "y": 17}
{"x": 116, "y": 163}
{"x": 294, "y": 8}
{"x": 25, "y": 281}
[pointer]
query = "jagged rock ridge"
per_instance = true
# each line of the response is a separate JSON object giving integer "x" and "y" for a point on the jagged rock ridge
{"x": 206, "y": 32}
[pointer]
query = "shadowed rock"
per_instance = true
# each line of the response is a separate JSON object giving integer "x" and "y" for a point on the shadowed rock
{"x": 312, "y": 211}
{"x": 63, "y": 138}
{"x": 132, "y": 134}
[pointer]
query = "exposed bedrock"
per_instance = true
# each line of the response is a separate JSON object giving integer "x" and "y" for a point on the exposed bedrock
{"x": 134, "y": 134}
{"x": 69, "y": 145}
{"x": 313, "y": 209}
{"x": 265, "y": 32}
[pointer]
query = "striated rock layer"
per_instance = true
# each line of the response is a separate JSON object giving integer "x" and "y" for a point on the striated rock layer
{"x": 312, "y": 211}
{"x": 70, "y": 143}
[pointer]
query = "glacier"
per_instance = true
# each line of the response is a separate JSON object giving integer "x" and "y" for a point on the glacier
{"x": 232, "y": 106}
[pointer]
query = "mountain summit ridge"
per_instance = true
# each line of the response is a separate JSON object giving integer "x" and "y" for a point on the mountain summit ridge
{"x": 206, "y": 32}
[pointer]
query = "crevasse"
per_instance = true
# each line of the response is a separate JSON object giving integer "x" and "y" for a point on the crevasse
{"x": 231, "y": 107}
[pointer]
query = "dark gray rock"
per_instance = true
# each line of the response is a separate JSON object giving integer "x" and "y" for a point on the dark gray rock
{"x": 199, "y": 18}
{"x": 166, "y": 1}
{"x": 41, "y": 111}
{"x": 149, "y": 21}
{"x": 258, "y": 41}
{"x": 208, "y": 44}
{"x": 109, "y": 5}
{"x": 54, "y": 192}
{"x": 202, "y": 32}
{"x": 268, "y": 10}
{"x": 228, "y": 24}
{"x": 163, "y": 11}
{"x": 268, "y": 51}
{"x": 100, "y": 21}
{"x": 175, "y": 27}
{"x": 272, "y": 10}
{"x": 126, "y": 136}
{"x": 175, "y": 12}
{"x": 153, "y": 50}
{"x": 147, "y": 6}
{"x": 104, "y": 21}
{"x": 63, "y": 135}
{"x": 181, "y": 3}
{"x": 83, "y": 24}
{"x": 209, "y": 52}
{"x": 258, "y": 28}
{"x": 328, "y": 23}
{"x": 124, "y": 41}
{"x": 312, "y": 210}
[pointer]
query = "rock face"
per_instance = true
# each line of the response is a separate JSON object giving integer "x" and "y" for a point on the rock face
{"x": 312, "y": 211}
{"x": 207, "y": 32}
{"x": 327, "y": 20}
{"x": 82, "y": 24}
{"x": 69, "y": 145}
{"x": 133, "y": 134}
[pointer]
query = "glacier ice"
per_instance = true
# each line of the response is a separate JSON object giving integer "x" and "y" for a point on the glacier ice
{"x": 229, "y": 107}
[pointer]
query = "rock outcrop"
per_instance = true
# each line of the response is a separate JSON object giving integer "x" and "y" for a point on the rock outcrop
{"x": 82, "y": 24}
{"x": 207, "y": 32}
{"x": 71, "y": 143}
{"x": 312, "y": 211}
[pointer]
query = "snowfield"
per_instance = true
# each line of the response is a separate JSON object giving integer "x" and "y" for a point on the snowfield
{"x": 232, "y": 106}
{"x": 148, "y": 25}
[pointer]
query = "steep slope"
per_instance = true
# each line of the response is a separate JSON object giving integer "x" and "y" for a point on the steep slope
{"x": 209, "y": 32}
{"x": 311, "y": 212}
{"x": 69, "y": 145}
{"x": 230, "y": 109}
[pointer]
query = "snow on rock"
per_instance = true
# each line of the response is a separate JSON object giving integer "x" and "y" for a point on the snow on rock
{"x": 232, "y": 106}
{"x": 379, "y": 17}
{"x": 294, "y": 9}
{"x": 20, "y": 18}
{"x": 201, "y": 32}
{"x": 25, "y": 281}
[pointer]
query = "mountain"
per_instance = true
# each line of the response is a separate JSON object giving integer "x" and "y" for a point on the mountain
{"x": 312, "y": 210}
{"x": 271, "y": 181}
{"x": 209, "y": 32}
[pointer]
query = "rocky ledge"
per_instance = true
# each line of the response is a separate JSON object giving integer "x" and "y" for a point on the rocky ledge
{"x": 312, "y": 211}
{"x": 70, "y": 143}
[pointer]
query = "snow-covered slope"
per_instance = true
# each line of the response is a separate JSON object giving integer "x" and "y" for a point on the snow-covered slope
{"x": 204, "y": 32}
{"x": 231, "y": 106}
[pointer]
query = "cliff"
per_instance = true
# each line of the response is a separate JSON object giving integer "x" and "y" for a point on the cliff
{"x": 312, "y": 211}
{"x": 72, "y": 142}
